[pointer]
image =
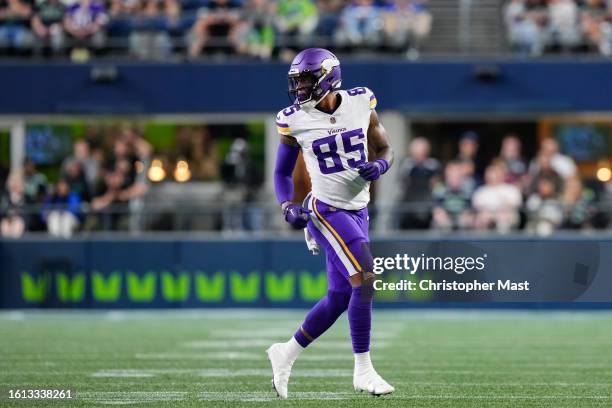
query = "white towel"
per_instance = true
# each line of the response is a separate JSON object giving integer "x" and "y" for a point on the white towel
{"x": 311, "y": 243}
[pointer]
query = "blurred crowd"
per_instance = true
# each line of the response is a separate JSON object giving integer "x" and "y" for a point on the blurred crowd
{"x": 157, "y": 29}
{"x": 535, "y": 27}
{"x": 97, "y": 185}
{"x": 510, "y": 193}
{"x": 104, "y": 185}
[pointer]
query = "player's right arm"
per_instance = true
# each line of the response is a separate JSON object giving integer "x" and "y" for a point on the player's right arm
{"x": 286, "y": 158}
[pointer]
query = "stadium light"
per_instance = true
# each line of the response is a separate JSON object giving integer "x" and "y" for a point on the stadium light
{"x": 156, "y": 172}
{"x": 182, "y": 172}
{"x": 604, "y": 174}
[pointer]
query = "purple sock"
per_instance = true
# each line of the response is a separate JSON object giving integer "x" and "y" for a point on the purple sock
{"x": 360, "y": 318}
{"x": 322, "y": 316}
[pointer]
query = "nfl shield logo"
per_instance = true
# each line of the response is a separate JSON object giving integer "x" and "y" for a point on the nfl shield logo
{"x": 332, "y": 119}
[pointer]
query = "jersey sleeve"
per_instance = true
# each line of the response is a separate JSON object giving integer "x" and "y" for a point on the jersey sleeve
{"x": 282, "y": 124}
{"x": 285, "y": 120}
{"x": 371, "y": 98}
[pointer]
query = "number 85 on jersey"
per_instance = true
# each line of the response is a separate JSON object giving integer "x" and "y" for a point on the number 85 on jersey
{"x": 334, "y": 158}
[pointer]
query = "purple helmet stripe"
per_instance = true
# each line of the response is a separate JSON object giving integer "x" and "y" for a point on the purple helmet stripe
{"x": 283, "y": 125}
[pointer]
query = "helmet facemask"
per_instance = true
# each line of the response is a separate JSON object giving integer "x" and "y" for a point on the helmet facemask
{"x": 301, "y": 86}
{"x": 310, "y": 87}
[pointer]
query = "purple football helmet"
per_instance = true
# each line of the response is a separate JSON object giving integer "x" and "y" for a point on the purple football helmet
{"x": 314, "y": 72}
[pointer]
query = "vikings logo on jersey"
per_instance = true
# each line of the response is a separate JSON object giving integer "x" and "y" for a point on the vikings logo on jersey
{"x": 333, "y": 146}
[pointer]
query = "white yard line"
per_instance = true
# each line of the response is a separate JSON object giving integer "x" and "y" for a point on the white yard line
{"x": 236, "y": 355}
{"x": 217, "y": 373}
{"x": 221, "y": 355}
{"x": 271, "y": 396}
{"x": 129, "y": 397}
{"x": 122, "y": 374}
{"x": 504, "y": 397}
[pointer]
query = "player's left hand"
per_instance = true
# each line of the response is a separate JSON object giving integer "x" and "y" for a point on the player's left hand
{"x": 296, "y": 215}
{"x": 370, "y": 171}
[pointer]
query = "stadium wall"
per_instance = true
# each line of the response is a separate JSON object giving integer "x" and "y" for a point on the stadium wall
{"x": 486, "y": 86}
{"x": 165, "y": 273}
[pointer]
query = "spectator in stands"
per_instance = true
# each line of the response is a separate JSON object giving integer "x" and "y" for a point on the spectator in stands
{"x": 468, "y": 150}
{"x": 122, "y": 159}
{"x": 220, "y": 21}
{"x": 510, "y": 155}
{"x": 35, "y": 187}
{"x": 62, "y": 211}
{"x": 257, "y": 32}
{"x": 150, "y": 38}
{"x": 596, "y": 19}
{"x": 525, "y": 23}
{"x": 12, "y": 207}
{"x": 562, "y": 164}
{"x": 541, "y": 167}
{"x": 15, "y": 24}
{"x": 296, "y": 21}
{"x": 544, "y": 209}
{"x": 563, "y": 27}
{"x": 329, "y": 15}
{"x": 75, "y": 178}
{"x": 84, "y": 22}
{"x": 406, "y": 23}
{"x": 140, "y": 148}
{"x": 139, "y": 159}
{"x": 47, "y": 26}
{"x": 360, "y": 24}
{"x": 35, "y": 190}
{"x": 496, "y": 203}
{"x": 418, "y": 175}
{"x": 110, "y": 201}
{"x": 90, "y": 166}
{"x": 133, "y": 168}
{"x": 452, "y": 202}
{"x": 578, "y": 206}
{"x": 94, "y": 136}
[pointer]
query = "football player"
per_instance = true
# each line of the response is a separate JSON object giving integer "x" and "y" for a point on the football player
{"x": 336, "y": 130}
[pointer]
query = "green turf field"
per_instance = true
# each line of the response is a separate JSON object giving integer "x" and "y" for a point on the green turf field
{"x": 216, "y": 358}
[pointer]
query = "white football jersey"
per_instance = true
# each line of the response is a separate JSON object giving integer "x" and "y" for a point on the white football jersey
{"x": 333, "y": 145}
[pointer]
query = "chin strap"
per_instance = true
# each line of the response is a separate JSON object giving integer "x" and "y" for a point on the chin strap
{"x": 311, "y": 104}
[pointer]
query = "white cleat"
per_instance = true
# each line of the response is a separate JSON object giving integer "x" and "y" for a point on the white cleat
{"x": 281, "y": 368}
{"x": 371, "y": 382}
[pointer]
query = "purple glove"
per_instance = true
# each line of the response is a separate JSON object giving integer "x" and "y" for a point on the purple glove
{"x": 371, "y": 171}
{"x": 296, "y": 215}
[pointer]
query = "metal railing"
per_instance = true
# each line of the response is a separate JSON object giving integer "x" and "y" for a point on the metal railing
{"x": 266, "y": 218}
